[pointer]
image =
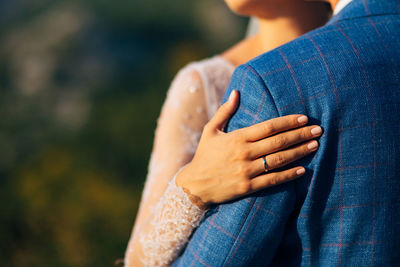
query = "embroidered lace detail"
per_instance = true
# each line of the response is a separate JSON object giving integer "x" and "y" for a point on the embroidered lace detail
{"x": 193, "y": 98}
{"x": 216, "y": 74}
{"x": 173, "y": 223}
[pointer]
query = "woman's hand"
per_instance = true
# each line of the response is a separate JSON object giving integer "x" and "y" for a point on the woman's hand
{"x": 227, "y": 166}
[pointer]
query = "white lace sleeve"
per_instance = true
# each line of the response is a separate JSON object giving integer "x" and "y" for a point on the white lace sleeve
{"x": 166, "y": 216}
{"x": 171, "y": 225}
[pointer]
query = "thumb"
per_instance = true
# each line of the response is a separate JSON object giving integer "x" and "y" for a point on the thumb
{"x": 224, "y": 113}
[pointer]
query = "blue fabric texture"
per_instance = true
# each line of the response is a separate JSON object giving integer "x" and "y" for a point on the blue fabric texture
{"x": 345, "y": 211}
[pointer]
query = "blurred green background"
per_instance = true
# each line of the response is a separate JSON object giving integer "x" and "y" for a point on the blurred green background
{"x": 82, "y": 83}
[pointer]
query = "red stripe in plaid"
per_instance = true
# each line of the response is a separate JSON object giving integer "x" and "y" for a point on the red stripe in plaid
{"x": 378, "y": 203}
{"x": 302, "y": 62}
{"x": 344, "y": 244}
{"x": 328, "y": 70}
{"x": 243, "y": 80}
{"x": 248, "y": 112}
{"x": 355, "y": 167}
{"x": 221, "y": 229}
{"x": 294, "y": 78}
{"x": 202, "y": 240}
{"x": 385, "y": 46}
{"x": 241, "y": 90}
{"x": 333, "y": 83}
{"x": 358, "y": 26}
{"x": 259, "y": 107}
{"x": 245, "y": 231}
{"x": 293, "y": 65}
{"x": 366, "y": 7}
{"x": 373, "y": 118}
{"x": 270, "y": 212}
{"x": 341, "y": 198}
{"x": 198, "y": 258}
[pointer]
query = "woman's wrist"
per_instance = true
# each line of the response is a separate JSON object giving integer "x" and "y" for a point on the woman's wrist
{"x": 180, "y": 182}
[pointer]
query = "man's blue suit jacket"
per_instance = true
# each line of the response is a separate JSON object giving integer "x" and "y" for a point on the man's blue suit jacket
{"x": 346, "y": 210}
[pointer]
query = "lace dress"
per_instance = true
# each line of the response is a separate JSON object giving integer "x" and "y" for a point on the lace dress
{"x": 166, "y": 216}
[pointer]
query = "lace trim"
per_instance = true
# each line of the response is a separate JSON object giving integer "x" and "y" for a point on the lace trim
{"x": 215, "y": 73}
{"x": 176, "y": 218}
{"x": 171, "y": 216}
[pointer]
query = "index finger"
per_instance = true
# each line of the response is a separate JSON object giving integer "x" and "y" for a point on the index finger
{"x": 270, "y": 127}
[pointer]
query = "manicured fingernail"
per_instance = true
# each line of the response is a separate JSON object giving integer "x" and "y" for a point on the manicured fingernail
{"x": 302, "y": 119}
{"x": 313, "y": 145}
{"x": 301, "y": 171}
{"x": 231, "y": 95}
{"x": 316, "y": 131}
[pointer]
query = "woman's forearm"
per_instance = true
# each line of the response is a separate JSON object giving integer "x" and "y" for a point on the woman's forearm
{"x": 166, "y": 231}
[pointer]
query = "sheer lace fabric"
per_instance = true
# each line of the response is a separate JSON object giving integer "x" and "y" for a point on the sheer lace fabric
{"x": 166, "y": 217}
{"x": 170, "y": 228}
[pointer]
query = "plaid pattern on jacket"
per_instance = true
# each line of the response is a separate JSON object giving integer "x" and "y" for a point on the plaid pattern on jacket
{"x": 346, "y": 210}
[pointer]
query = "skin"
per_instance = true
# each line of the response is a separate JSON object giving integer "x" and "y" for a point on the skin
{"x": 242, "y": 152}
{"x": 333, "y": 3}
{"x": 227, "y": 166}
{"x": 280, "y": 21}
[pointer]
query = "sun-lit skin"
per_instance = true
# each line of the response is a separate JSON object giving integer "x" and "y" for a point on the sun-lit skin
{"x": 269, "y": 9}
{"x": 280, "y": 21}
{"x": 273, "y": 8}
{"x": 332, "y": 2}
{"x": 203, "y": 179}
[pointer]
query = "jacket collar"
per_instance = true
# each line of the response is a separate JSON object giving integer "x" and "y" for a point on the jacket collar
{"x": 340, "y": 5}
{"x": 364, "y": 8}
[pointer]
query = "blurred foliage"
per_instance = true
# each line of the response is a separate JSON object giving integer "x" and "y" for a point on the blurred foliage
{"x": 81, "y": 86}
